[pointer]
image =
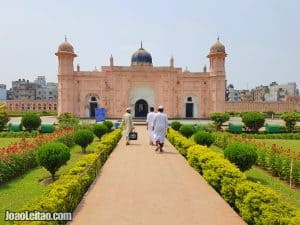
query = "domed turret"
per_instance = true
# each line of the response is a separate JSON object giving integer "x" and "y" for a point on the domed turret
{"x": 218, "y": 47}
{"x": 141, "y": 57}
{"x": 65, "y": 47}
{"x": 66, "y": 55}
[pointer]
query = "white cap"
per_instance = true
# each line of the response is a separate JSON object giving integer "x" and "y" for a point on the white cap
{"x": 160, "y": 107}
{"x": 128, "y": 109}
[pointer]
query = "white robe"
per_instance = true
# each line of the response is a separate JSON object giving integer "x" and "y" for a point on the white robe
{"x": 150, "y": 120}
{"x": 127, "y": 124}
{"x": 160, "y": 125}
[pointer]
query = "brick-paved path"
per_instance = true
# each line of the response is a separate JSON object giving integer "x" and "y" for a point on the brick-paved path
{"x": 140, "y": 187}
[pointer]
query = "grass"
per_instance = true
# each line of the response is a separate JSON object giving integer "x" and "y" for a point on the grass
{"x": 4, "y": 142}
{"x": 294, "y": 145}
{"x": 256, "y": 174}
{"x": 27, "y": 188}
{"x": 289, "y": 195}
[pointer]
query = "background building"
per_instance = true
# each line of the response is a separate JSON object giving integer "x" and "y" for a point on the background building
{"x": 3, "y": 92}
{"x": 233, "y": 95}
{"x": 280, "y": 92}
{"x": 37, "y": 90}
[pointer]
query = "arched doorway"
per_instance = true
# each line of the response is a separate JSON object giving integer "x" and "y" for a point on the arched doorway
{"x": 93, "y": 105}
{"x": 141, "y": 108}
{"x": 191, "y": 106}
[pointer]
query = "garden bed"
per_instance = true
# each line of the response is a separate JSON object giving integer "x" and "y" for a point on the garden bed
{"x": 256, "y": 203}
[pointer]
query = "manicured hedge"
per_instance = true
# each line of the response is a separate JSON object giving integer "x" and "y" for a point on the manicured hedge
{"x": 292, "y": 136}
{"x": 65, "y": 193}
{"x": 256, "y": 203}
{"x": 20, "y": 134}
{"x": 19, "y": 157}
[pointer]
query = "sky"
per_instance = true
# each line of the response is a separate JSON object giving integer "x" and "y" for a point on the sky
{"x": 261, "y": 37}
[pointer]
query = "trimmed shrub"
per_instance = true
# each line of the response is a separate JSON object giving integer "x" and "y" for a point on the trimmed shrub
{"x": 204, "y": 138}
{"x": 83, "y": 138}
{"x": 255, "y": 203}
{"x": 253, "y": 120}
{"x": 290, "y": 119}
{"x": 180, "y": 142}
{"x": 176, "y": 125}
{"x": 31, "y": 121}
{"x": 219, "y": 119}
{"x": 100, "y": 129}
{"x": 65, "y": 193}
{"x": 52, "y": 156}
{"x": 109, "y": 124}
{"x": 68, "y": 120}
{"x": 242, "y": 155}
{"x": 261, "y": 205}
{"x": 67, "y": 139}
{"x": 3, "y": 119}
{"x": 186, "y": 130}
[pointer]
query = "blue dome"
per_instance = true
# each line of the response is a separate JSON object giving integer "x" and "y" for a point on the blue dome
{"x": 141, "y": 57}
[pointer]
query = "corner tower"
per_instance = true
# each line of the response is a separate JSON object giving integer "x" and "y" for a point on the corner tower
{"x": 217, "y": 57}
{"x": 66, "y": 55}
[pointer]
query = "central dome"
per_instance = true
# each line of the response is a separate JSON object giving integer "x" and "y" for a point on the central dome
{"x": 141, "y": 57}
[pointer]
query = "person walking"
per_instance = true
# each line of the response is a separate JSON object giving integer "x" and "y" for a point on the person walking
{"x": 160, "y": 125}
{"x": 127, "y": 124}
{"x": 150, "y": 119}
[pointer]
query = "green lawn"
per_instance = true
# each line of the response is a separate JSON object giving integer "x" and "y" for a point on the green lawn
{"x": 289, "y": 195}
{"x": 6, "y": 141}
{"x": 258, "y": 175}
{"x": 26, "y": 188}
{"x": 292, "y": 144}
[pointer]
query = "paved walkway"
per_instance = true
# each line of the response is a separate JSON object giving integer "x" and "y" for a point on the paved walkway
{"x": 140, "y": 187}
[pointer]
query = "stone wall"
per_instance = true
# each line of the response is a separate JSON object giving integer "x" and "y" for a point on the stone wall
{"x": 32, "y": 105}
{"x": 290, "y": 105}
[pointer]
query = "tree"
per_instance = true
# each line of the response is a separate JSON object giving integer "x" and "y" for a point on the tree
{"x": 290, "y": 119}
{"x": 3, "y": 119}
{"x": 100, "y": 129}
{"x": 52, "y": 156}
{"x": 83, "y": 138}
{"x": 253, "y": 120}
{"x": 31, "y": 121}
{"x": 219, "y": 119}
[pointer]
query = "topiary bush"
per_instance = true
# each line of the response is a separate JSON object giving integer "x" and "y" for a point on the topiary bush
{"x": 3, "y": 119}
{"x": 244, "y": 156}
{"x": 219, "y": 119}
{"x": 52, "y": 156}
{"x": 253, "y": 120}
{"x": 67, "y": 139}
{"x": 109, "y": 124}
{"x": 187, "y": 130}
{"x": 83, "y": 138}
{"x": 31, "y": 121}
{"x": 290, "y": 119}
{"x": 100, "y": 129}
{"x": 176, "y": 125}
{"x": 204, "y": 138}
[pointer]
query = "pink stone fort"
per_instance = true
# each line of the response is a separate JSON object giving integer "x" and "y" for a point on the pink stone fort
{"x": 183, "y": 94}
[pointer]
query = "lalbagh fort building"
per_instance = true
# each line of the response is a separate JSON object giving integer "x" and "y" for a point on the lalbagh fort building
{"x": 141, "y": 85}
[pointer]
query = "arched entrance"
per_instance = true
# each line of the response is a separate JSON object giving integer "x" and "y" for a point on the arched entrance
{"x": 191, "y": 106}
{"x": 141, "y": 108}
{"x": 92, "y": 102}
{"x": 93, "y": 106}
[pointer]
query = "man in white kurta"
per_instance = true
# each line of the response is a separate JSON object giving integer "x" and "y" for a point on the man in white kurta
{"x": 127, "y": 124}
{"x": 160, "y": 125}
{"x": 150, "y": 119}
